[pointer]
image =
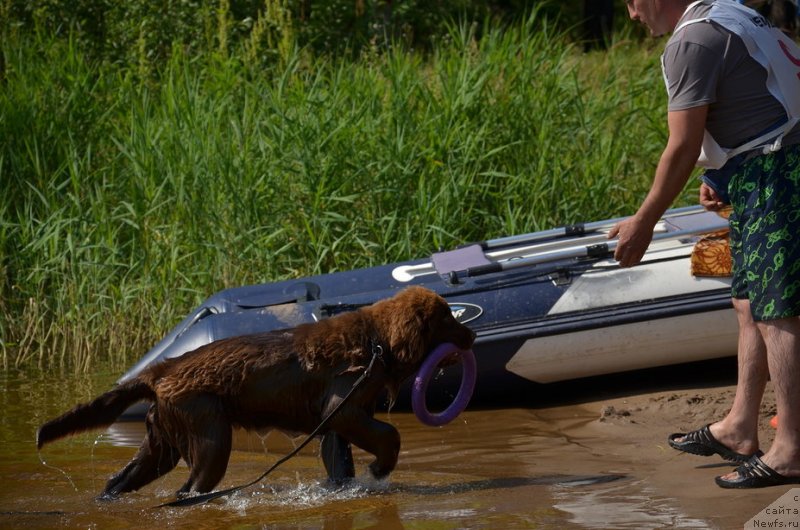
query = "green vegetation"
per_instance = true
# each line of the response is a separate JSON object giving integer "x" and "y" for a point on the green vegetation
{"x": 130, "y": 190}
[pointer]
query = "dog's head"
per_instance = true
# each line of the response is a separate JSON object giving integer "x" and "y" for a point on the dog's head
{"x": 414, "y": 322}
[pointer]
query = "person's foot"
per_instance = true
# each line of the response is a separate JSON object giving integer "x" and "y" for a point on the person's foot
{"x": 761, "y": 471}
{"x": 733, "y": 440}
{"x": 711, "y": 440}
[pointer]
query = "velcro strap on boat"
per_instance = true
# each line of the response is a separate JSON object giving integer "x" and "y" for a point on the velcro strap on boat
{"x": 599, "y": 250}
{"x": 484, "y": 269}
{"x": 575, "y": 230}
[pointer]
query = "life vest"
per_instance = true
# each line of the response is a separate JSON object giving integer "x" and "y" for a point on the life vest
{"x": 773, "y": 50}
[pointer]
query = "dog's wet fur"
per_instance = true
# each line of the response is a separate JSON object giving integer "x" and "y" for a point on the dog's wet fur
{"x": 287, "y": 379}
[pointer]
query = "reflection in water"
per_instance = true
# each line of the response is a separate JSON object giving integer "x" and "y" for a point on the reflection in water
{"x": 488, "y": 469}
{"x": 615, "y": 506}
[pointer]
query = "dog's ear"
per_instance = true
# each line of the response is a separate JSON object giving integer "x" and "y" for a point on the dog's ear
{"x": 406, "y": 331}
{"x": 408, "y": 320}
{"x": 418, "y": 339}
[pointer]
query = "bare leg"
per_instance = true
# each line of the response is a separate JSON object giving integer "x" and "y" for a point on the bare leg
{"x": 782, "y": 338}
{"x": 739, "y": 429}
{"x": 783, "y": 343}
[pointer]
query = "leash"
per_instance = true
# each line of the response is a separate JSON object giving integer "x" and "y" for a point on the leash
{"x": 377, "y": 353}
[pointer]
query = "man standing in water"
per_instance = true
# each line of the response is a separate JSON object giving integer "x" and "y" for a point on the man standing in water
{"x": 733, "y": 84}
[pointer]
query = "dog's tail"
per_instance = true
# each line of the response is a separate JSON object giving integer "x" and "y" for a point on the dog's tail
{"x": 101, "y": 412}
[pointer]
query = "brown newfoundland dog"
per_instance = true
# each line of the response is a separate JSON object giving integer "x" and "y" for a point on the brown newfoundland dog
{"x": 287, "y": 379}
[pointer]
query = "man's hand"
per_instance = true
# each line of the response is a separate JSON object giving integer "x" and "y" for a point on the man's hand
{"x": 634, "y": 235}
{"x": 709, "y": 198}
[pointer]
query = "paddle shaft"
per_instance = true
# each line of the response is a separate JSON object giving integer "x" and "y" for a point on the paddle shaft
{"x": 539, "y": 242}
{"x": 600, "y": 250}
{"x": 576, "y": 230}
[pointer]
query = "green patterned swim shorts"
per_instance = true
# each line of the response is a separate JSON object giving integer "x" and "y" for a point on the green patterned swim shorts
{"x": 765, "y": 233}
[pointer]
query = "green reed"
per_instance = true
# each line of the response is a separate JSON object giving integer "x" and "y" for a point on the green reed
{"x": 125, "y": 200}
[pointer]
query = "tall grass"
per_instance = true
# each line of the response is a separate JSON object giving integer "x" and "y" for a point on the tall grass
{"x": 125, "y": 201}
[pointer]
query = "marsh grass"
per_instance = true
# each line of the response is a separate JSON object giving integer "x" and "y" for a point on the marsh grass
{"x": 126, "y": 200}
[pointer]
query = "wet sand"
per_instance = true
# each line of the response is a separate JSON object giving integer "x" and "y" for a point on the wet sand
{"x": 631, "y": 433}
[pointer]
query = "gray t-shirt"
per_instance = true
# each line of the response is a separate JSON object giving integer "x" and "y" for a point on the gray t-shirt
{"x": 707, "y": 65}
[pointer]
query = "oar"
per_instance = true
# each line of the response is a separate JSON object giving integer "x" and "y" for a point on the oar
{"x": 598, "y": 251}
{"x": 576, "y": 230}
{"x": 544, "y": 241}
{"x": 406, "y": 273}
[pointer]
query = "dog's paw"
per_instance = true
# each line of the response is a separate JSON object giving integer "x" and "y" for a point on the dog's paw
{"x": 340, "y": 483}
{"x": 107, "y": 496}
{"x": 377, "y": 472}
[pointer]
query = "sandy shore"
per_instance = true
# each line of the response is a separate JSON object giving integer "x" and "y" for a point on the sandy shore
{"x": 632, "y": 432}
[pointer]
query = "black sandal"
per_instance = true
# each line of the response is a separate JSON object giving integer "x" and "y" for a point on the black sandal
{"x": 756, "y": 474}
{"x": 702, "y": 442}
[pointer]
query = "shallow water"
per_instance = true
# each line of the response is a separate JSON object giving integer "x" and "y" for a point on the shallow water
{"x": 511, "y": 468}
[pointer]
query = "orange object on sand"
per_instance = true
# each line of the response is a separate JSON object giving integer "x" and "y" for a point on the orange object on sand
{"x": 774, "y": 422}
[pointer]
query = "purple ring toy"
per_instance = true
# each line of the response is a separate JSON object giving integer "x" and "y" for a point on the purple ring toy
{"x": 468, "y": 376}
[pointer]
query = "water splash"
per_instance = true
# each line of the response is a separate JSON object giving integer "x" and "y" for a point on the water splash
{"x": 306, "y": 495}
{"x": 66, "y": 475}
{"x": 100, "y": 437}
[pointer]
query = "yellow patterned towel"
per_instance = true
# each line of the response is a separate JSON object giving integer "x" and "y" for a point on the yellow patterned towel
{"x": 711, "y": 256}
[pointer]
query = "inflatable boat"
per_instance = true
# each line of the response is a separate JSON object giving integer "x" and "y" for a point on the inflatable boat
{"x": 546, "y": 306}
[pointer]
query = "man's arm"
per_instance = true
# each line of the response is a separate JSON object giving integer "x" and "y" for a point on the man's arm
{"x": 686, "y": 129}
